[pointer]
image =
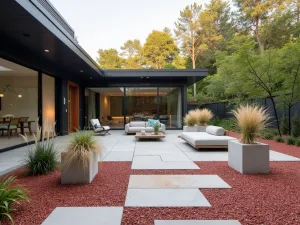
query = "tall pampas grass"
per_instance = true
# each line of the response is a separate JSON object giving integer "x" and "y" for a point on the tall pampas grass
{"x": 82, "y": 148}
{"x": 251, "y": 120}
{"x": 203, "y": 116}
{"x": 190, "y": 119}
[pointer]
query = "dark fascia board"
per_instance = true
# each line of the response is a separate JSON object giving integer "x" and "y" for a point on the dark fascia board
{"x": 199, "y": 73}
{"x": 45, "y": 18}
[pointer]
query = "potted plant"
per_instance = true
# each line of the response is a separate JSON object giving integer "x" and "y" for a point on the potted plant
{"x": 80, "y": 160}
{"x": 203, "y": 117}
{"x": 156, "y": 128}
{"x": 246, "y": 155}
{"x": 190, "y": 121}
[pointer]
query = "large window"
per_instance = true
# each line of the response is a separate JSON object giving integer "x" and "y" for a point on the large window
{"x": 48, "y": 85}
{"x": 18, "y": 102}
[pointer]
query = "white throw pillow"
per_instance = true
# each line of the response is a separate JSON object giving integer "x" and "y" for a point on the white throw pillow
{"x": 214, "y": 130}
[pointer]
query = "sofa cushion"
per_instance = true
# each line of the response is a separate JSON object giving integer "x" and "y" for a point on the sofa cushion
{"x": 203, "y": 138}
{"x": 152, "y": 122}
{"x": 214, "y": 130}
{"x": 137, "y": 124}
{"x": 136, "y": 129}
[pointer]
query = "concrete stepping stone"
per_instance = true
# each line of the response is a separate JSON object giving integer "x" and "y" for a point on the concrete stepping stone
{"x": 277, "y": 156}
{"x": 85, "y": 215}
{"x": 165, "y": 198}
{"x": 155, "y": 162}
{"x": 176, "y": 181}
{"x": 208, "y": 156}
{"x": 196, "y": 222}
{"x": 121, "y": 156}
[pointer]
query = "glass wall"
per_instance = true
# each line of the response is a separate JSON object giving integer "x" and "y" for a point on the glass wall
{"x": 137, "y": 104}
{"x": 170, "y": 107}
{"x": 48, "y": 95}
{"x": 18, "y": 103}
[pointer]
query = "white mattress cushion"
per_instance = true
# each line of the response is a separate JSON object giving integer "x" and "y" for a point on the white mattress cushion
{"x": 203, "y": 138}
{"x": 214, "y": 130}
{"x": 138, "y": 124}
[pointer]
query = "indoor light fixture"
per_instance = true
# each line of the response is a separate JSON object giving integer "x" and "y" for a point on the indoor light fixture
{"x": 46, "y": 50}
{"x": 9, "y": 88}
{"x": 20, "y": 96}
{"x": 81, "y": 71}
{"x": 1, "y": 95}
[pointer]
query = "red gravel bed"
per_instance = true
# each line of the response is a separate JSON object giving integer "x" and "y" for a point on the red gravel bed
{"x": 276, "y": 146}
{"x": 109, "y": 188}
{"x": 253, "y": 200}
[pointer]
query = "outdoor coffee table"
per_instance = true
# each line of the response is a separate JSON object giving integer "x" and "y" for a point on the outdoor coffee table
{"x": 149, "y": 135}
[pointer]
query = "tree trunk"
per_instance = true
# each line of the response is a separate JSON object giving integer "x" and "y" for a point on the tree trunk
{"x": 259, "y": 41}
{"x": 276, "y": 115}
{"x": 290, "y": 120}
{"x": 194, "y": 65}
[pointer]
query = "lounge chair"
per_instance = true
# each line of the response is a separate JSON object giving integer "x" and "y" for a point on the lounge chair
{"x": 213, "y": 138}
{"x": 98, "y": 129}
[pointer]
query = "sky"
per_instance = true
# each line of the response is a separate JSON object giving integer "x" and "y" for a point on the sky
{"x": 110, "y": 23}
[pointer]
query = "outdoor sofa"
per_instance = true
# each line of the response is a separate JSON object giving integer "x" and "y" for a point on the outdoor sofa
{"x": 137, "y": 126}
{"x": 213, "y": 137}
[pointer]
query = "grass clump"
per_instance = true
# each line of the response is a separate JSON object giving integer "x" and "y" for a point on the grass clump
{"x": 203, "y": 116}
{"x": 279, "y": 139}
{"x": 42, "y": 159}
{"x": 190, "y": 118}
{"x": 251, "y": 120}
{"x": 284, "y": 125}
{"x": 297, "y": 143}
{"x": 82, "y": 148}
{"x": 290, "y": 140}
{"x": 10, "y": 196}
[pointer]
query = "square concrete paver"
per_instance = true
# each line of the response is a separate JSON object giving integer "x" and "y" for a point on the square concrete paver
{"x": 176, "y": 181}
{"x": 85, "y": 215}
{"x": 196, "y": 222}
{"x": 121, "y": 156}
{"x": 208, "y": 156}
{"x": 165, "y": 198}
{"x": 155, "y": 162}
{"x": 277, "y": 156}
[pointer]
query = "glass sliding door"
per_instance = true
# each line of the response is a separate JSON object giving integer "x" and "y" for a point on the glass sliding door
{"x": 141, "y": 103}
{"x": 111, "y": 107}
{"x": 170, "y": 107}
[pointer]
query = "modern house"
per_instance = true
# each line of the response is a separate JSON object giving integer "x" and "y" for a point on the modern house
{"x": 46, "y": 74}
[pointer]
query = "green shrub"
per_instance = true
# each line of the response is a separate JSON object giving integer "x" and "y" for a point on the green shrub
{"x": 297, "y": 143}
{"x": 42, "y": 159}
{"x": 290, "y": 140}
{"x": 215, "y": 122}
{"x": 279, "y": 139}
{"x": 229, "y": 124}
{"x": 296, "y": 126}
{"x": 284, "y": 125}
{"x": 8, "y": 196}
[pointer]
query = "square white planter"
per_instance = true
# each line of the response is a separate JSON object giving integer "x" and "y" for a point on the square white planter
{"x": 76, "y": 174}
{"x": 248, "y": 159}
{"x": 201, "y": 128}
{"x": 190, "y": 129}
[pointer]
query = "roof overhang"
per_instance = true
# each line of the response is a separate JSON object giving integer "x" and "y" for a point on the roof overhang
{"x": 28, "y": 28}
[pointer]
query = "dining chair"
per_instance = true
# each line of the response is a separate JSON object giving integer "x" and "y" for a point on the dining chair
{"x": 12, "y": 126}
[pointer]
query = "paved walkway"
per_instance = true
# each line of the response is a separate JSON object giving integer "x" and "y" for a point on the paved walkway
{"x": 145, "y": 190}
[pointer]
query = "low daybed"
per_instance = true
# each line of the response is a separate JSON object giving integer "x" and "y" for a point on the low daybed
{"x": 213, "y": 137}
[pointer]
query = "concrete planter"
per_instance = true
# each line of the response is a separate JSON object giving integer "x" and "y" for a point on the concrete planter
{"x": 190, "y": 129}
{"x": 75, "y": 174}
{"x": 201, "y": 128}
{"x": 248, "y": 159}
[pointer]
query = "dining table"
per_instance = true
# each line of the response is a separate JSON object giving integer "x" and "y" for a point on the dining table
{"x": 22, "y": 125}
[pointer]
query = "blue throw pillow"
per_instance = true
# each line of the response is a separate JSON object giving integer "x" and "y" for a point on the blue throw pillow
{"x": 152, "y": 122}
{"x": 96, "y": 126}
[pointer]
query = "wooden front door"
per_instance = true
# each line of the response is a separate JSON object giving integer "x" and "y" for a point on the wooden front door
{"x": 73, "y": 107}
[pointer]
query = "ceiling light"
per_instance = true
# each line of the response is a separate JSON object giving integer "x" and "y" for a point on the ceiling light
{"x": 91, "y": 78}
{"x": 147, "y": 77}
{"x": 142, "y": 77}
{"x": 1, "y": 95}
{"x": 20, "y": 96}
{"x": 46, "y": 50}
{"x": 81, "y": 71}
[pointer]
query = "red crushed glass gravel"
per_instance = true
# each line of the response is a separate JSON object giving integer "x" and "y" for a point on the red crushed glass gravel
{"x": 253, "y": 200}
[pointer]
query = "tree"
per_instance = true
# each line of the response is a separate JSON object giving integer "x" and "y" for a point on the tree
{"x": 289, "y": 67}
{"x": 132, "y": 52}
{"x": 109, "y": 59}
{"x": 255, "y": 14}
{"x": 187, "y": 29}
{"x": 159, "y": 49}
